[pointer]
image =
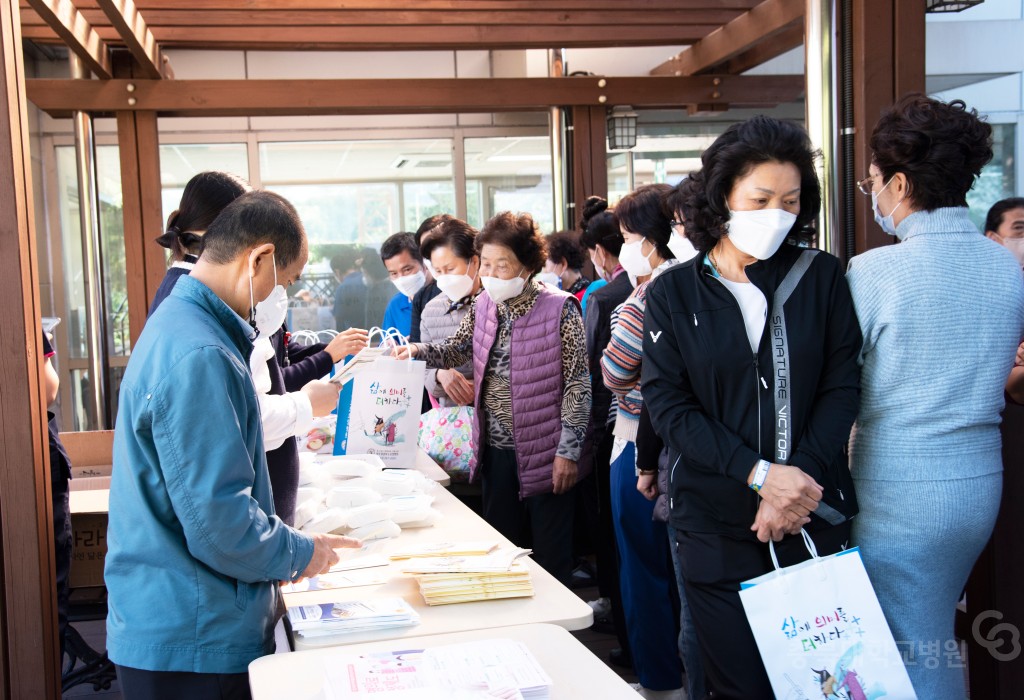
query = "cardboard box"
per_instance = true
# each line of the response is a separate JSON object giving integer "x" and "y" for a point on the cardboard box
{"x": 91, "y": 456}
{"x": 89, "y": 531}
{"x": 91, "y": 452}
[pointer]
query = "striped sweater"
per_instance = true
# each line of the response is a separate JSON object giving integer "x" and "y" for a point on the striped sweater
{"x": 622, "y": 359}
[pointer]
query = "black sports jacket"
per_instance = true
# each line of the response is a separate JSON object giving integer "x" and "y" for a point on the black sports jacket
{"x": 720, "y": 408}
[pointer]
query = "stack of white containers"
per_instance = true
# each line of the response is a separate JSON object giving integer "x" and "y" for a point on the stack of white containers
{"x": 355, "y": 495}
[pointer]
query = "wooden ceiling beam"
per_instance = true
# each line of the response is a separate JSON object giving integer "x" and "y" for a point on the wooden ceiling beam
{"x": 447, "y": 5}
{"x": 771, "y": 47}
{"x": 401, "y": 96}
{"x": 400, "y": 38}
{"x": 202, "y": 16}
{"x": 125, "y": 17}
{"x": 736, "y": 37}
{"x": 427, "y": 37}
{"x": 67, "y": 22}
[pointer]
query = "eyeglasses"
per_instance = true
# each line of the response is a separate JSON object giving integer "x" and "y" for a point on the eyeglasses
{"x": 866, "y": 185}
{"x": 675, "y": 224}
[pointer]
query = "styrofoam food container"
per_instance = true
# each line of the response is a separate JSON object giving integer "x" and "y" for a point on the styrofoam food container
{"x": 306, "y": 493}
{"x": 351, "y": 496}
{"x": 368, "y": 514}
{"x": 376, "y": 531}
{"x": 306, "y": 510}
{"x": 407, "y": 509}
{"x": 394, "y": 483}
{"x": 330, "y": 520}
{"x": 347, "y": 467}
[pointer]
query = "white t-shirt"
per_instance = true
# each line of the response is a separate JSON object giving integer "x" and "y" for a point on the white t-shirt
{"x": 754, "y": 307}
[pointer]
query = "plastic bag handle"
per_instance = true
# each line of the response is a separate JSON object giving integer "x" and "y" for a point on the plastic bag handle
{"x": 808, "y": 542}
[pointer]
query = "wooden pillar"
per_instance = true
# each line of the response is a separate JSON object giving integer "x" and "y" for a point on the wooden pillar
{"x": 29, "y": 650}
{"x": 589, "y": 167}
{"x": 888, "y": 62}
{"x": 138, "y": 142}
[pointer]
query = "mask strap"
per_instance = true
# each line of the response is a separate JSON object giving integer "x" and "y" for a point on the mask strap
{"x": 252, "y": 303}
{"x": 898, "y": 204}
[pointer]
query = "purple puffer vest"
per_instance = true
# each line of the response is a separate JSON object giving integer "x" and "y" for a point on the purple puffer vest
{"x": 537, "y": 385}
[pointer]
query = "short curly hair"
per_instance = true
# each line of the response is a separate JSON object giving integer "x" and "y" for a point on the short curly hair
{"x": 940, "y": 147}
{"x": 518, "y": 233}
{"x": 565, "y": 245}
{"x": 704, "y": 195}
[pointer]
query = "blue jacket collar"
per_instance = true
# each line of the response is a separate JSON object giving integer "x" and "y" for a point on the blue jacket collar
{"x": 941, "y": 220}
{"x": 237, "y": 328}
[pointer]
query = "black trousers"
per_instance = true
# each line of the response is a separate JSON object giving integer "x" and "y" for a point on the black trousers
{"x": 62, "y": 542}
{"x": 542, "y": 523}
{"x": 608, "y": 563}
{"x": 178, "y": 685}
{"x": 713, "y": 566}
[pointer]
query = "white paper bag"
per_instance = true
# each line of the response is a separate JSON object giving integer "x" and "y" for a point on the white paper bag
{"x": 379, "y": 412}
{"x": 821, "y": 632}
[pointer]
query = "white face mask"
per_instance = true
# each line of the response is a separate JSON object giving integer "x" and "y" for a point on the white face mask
{"x": 682, "y": 249}
{"x": 886, "y": 222}
{"x": 410, "y": 284}
{"x": 455, "y": 287}
{"x": 272, "y": 311}
{"x": 633, "y": 260}
{"x": 760, "y": 233}
{"x": 1015, "y": 246}
{"x": 549, "y": 278}
{"x": 599, "y": 267}
{"x": 500, "y": 290}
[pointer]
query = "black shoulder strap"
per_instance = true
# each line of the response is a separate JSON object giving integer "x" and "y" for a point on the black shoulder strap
{"x": 782, "y": 373}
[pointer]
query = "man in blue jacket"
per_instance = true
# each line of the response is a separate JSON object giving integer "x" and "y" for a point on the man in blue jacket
{"x": 195, "y": 550}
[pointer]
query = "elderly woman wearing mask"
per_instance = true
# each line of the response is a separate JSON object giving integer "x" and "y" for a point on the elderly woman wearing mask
{"x": 531, "y": 391}
{"x": 942, "y": 315}
{"x": 751, "y": 328}
{"x": 450, "y": 248}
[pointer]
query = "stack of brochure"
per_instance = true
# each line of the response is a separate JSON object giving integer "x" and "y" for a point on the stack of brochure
{"x": 446, "y": 549}
{"x": 328, "y": 619}
{"x": 466, "y": 579}
{"x": 490, "y": 668}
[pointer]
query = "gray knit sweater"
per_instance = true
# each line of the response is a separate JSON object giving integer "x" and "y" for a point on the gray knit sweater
{"x": 437, "y": 324}
{"x": 942, "y": 315}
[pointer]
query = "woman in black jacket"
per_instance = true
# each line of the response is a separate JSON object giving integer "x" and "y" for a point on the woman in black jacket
{"x": 750, "y": 376}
